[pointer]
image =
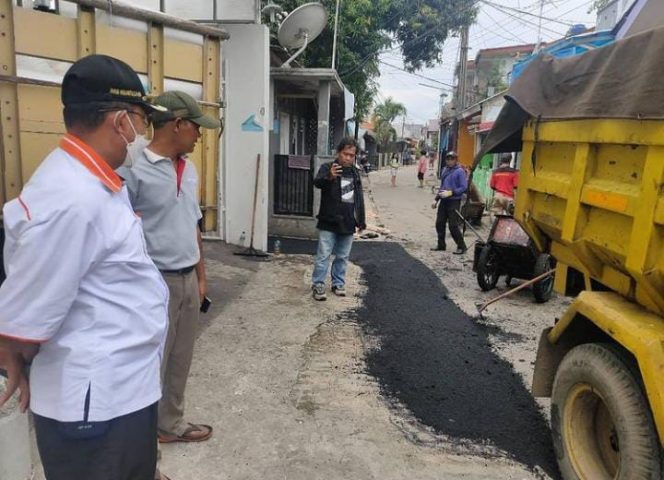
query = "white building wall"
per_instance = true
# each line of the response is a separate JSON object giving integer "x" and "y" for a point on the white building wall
{"x": 646, "y": 15}
{"x": 190, "y": 9}
{"x": 238, "y": 10}
{"x": 246, "y": 63}
{"x": 245, "y": 11}
{"x": 491, "y": 108}
{"x": 612, "y": 13}
{"x": 607, "y": 17}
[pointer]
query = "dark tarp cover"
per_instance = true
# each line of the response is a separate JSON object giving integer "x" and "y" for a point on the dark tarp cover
{"x": 621, "y": 80}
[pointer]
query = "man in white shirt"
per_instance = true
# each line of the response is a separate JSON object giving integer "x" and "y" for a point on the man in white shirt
{"x": 82, "y": 299}
{"x": 163, "y": 187}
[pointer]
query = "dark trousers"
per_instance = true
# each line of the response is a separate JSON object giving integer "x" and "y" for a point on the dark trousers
{"x": 446, "y": 214}
{"x": 124, "y": 448}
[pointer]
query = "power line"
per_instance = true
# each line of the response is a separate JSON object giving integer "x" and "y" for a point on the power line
{"x": 514, "y": 20}
{"x": 527, "y": 13}
{"x": 432, "y": 30}
{"x": 446, "y": 65}
{"x": 416, "y": 74}
{"x": 408, "y": 43}
{"x": 578, "y": 6}
{"x": 522, "y": 20}
{"x": 485, "y": 33}
{"x": 496, "y": 23}
{"x": 515, "y": 17}
{"x": 366, "y": 59}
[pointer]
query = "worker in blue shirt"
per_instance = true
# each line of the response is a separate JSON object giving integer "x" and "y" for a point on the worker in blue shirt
{"x": 453, "y": 184}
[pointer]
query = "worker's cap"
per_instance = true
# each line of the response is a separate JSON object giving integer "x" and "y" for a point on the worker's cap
{"x": 181, "y": 105}
{"x": 451, "y": 154}
{"x": 99, "y": 79}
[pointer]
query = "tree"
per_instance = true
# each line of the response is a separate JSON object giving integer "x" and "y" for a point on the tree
{"x": 434, "y": 141}
{"x": 418, "y": 28}
{"x": 385, "y": 133}
{"x": 495, "y": 79}
{"x": 383, "y": 116}
{"x": 389, "y": 110}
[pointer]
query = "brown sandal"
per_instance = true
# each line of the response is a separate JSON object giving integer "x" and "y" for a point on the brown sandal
{"x": 187, "y": 435}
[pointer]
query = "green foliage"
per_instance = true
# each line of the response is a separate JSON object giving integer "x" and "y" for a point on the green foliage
{"x": 434, "y": 141}
{"x": 389, "y": 110}
{"x": 385, "y": 133}
{"x": 418, "y": 28}
{"x": 496, "y": 78}
{"x": 383, "y": 116}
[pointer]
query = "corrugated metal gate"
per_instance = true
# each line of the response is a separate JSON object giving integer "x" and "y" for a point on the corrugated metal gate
{"x": 293, "y": 185}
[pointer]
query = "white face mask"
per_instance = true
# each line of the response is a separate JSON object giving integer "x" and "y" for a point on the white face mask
{"x": 134, "y": 148}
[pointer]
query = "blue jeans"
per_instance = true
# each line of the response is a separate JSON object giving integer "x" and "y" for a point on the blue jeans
{"x": 332, "y": 243}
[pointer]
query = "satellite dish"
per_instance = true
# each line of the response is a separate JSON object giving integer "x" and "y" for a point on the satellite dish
{"x": 303, "y": 25}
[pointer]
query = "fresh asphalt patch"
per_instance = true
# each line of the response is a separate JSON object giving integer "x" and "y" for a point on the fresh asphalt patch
{"x": 438, "y": 362}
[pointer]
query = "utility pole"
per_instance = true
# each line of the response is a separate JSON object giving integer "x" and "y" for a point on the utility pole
{"x": 334, "y": 41}
{"x": 439, "y": 150}
{"x": 463, "y": 61}
{"x": 539, "y": 26}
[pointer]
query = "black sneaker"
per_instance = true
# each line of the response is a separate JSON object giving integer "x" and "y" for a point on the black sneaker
{"x": 339, "y": 291}
{"x": 460, "y": 251}
{"x": 319, "y": 292}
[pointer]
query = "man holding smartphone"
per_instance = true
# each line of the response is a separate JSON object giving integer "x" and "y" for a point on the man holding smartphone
{"x": 163, "y": 187}
{"x": 341, "y": 214}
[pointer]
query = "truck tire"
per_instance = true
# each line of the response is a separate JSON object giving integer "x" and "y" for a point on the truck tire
{"x": 600, "y": 420}
{"x": 487, "y": 269}
{"x": 543, "y": 289}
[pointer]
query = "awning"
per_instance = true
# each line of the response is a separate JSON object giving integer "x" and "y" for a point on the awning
{"x": 620, "y": 81}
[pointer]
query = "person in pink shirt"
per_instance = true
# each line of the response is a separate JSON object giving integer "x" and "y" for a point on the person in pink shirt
{"x": 422, "y": 165}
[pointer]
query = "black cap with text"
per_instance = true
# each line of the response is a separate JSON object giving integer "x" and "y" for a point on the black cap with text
{"x": 98, "y": 79}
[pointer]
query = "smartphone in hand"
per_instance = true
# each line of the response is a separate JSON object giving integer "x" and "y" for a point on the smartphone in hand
{"x": 205, "y": 305}
{"x": 335, "y": 170}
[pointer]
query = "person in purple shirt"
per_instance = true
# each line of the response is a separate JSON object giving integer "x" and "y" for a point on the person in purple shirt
{"x": 453, "y": 184}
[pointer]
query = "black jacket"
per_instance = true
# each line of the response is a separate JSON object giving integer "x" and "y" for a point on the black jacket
{"x": 330, "y": 215}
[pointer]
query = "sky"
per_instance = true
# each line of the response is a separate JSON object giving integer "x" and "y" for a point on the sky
{"x": 494, "y": 27}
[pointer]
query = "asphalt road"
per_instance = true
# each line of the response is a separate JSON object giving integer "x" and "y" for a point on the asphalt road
{"x": 438, "y": 363}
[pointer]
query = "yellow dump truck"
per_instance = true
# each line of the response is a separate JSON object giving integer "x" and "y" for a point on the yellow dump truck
{"x": 591, "y": 135}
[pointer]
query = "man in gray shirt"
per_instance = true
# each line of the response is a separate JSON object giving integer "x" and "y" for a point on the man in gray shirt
{"x": 163, "y": 187}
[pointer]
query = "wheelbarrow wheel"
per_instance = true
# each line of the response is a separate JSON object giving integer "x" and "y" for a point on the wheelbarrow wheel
{"x": 487, "y": 269}
{"x": 543, "y": 289}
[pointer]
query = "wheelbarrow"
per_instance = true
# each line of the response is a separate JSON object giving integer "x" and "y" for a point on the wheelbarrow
{"x": 510, "y": 252}
{"x": 472, "y": 212}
